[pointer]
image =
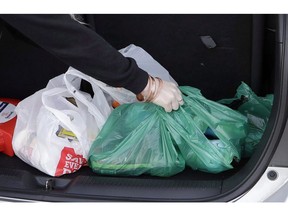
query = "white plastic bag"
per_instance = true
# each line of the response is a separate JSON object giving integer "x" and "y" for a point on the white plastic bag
{"x": 56, "y": 126}
{"x": 51, "y": 133}
{"x": 146, "y": 62}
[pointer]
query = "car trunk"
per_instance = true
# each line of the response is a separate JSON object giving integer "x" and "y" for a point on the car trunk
{"x": 213, "y": 53}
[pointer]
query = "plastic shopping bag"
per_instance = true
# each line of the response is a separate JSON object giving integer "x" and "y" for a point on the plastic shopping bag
{"x": 257, "y": 110}
{"x": 141, "y": 138}
{"x": 229, "y": 126}
{"x": 56, "y": 125}
{"x": 53, "y": 132}
{"x": 130, "y": 143}
{"x": 146, "y": 62}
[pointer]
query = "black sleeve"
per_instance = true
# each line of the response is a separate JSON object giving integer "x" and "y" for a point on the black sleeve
{"x": 80, "y": 47}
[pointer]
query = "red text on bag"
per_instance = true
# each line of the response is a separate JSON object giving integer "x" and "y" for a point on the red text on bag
{"x": 69, "y": 162}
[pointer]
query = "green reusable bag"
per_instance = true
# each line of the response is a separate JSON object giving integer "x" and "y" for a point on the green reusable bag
{"x": 257, "y": 110}
{"x": 229, "y": 126}
{"x": 135, "y": 141}
{"x": 141, "y": 138}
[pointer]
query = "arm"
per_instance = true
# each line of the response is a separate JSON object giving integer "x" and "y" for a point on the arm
{"x": 80, "y": 47}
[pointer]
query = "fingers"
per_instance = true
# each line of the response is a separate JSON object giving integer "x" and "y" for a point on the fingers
{"x": 169, "y": 98}
{"x": 175, "y": 105}
{"x": 181, "y": 102}
{"x": 178, "y": 96}
{"x": 175, "y": 97}
{"x": 168, "y": 108}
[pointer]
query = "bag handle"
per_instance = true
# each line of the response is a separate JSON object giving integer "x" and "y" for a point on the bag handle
{"x": 100, "y": 107}
{"x": 121, "y": 95}
{"x": 65, "y": 116}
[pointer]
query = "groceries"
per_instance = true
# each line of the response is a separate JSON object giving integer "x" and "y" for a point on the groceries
{"x": 57, "y": 124}
{"x": 141, "y": 138}
{"x": 60, "y": 128}
{"x": 257, "y": 110}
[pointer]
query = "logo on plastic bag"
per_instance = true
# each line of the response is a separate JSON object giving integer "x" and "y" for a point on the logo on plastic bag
{"x": 69, "y": 162}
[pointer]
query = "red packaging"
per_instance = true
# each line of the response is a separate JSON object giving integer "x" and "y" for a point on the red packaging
{"x": 7, "y": 124}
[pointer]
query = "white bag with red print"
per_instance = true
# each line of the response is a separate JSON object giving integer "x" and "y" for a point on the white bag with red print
{"x": 56, "y": 126}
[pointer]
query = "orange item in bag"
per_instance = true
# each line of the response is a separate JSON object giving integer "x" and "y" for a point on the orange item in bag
{"x": 7, "y": 124}
{"x": 115, "y": 104}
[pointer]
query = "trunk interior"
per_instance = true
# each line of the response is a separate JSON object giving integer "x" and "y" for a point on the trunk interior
{"x": 243, "y": 50}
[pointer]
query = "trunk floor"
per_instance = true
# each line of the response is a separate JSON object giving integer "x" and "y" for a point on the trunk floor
{"x": 15, "y": 175}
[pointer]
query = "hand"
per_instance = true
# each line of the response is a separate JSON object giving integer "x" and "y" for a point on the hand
{"x": 169, "y": 97}
{"x": 162, "y": 93}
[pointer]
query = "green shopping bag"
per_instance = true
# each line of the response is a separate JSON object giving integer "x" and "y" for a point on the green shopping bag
{"x": 135, "y": 141}
{"x": 257, "y": 110}
{"x": 141, "y": 138}
{"x": 229, "y": 126}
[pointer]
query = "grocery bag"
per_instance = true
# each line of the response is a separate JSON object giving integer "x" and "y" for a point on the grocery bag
{"x": 130, "y": 143}
{"x": 141, "y": 138}
{"x": 194, "y": 118}
{"x": 146, "y": 62}
{"x": 257, "y": 110}
{"x": 56, "y": 125}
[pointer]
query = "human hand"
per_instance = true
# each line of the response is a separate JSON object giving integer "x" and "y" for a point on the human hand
{"x": 163, "y": 93}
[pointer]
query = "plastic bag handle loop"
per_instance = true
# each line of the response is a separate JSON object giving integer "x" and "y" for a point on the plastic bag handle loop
{"x": 64, "y": 116}
{"x": 100, "y": 114}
